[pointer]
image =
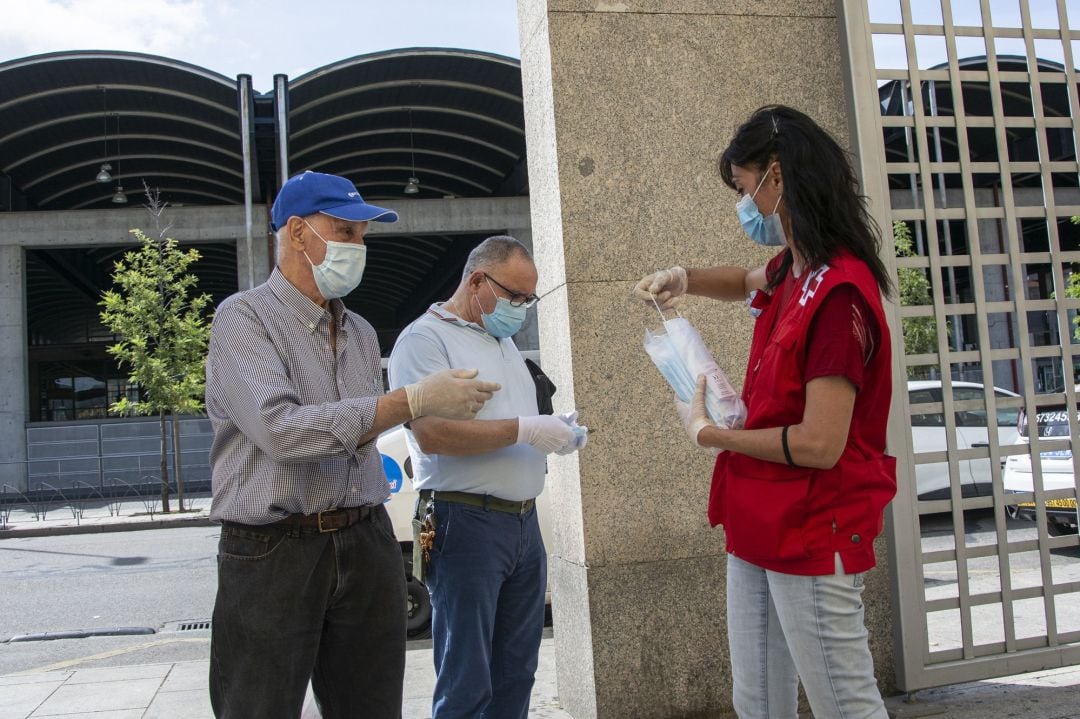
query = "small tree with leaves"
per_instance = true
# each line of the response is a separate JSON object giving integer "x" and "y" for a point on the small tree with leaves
{"x": 1072, "y": 288}
{"x": 920, "y": 333}
{"x": 163, "y": 333}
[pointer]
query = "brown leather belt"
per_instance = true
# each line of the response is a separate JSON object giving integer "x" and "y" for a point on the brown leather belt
{"x": 486, "y": 501}
{"x": 330, "y": 520}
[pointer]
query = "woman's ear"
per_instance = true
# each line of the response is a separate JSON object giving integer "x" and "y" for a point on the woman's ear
{"x": 777, "y": 178}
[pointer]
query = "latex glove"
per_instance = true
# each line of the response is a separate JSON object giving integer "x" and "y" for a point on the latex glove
{"x": 545, "y": 432}
{"x": 665, "y": 286}
{"x": 693, "y": 415}
{"x": 452, "y": 394}
{"x": 581, "y": 433}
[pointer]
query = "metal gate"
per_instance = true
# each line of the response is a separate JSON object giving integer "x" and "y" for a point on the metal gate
{"x": 965, "y": 120}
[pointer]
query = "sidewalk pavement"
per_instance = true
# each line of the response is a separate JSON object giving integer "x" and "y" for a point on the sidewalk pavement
{"x": 178, "y": 690}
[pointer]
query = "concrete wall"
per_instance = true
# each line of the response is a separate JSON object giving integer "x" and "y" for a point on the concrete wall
{"x": 628, "y": 105}
{"x": 13, "y": 399}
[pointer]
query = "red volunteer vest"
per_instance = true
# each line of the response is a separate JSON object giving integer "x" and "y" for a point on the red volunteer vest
{"x": 795, "y": 519}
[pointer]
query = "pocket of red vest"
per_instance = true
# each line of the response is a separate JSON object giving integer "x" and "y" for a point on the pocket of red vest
{"x": 765, "y": 508}
{"x": 865, "y": 487}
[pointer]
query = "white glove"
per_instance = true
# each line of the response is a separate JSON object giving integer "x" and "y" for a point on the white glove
{"x": 693, "y": 415}
{"x": 665, "y": 286}
{"x": 581, "y": 433}
{"x": 452, "y": 393}
{"x": 545, "y": 432}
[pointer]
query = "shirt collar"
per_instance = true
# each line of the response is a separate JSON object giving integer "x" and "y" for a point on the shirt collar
{"x": 307, "y": 311}
{"x": 437, "y": 310}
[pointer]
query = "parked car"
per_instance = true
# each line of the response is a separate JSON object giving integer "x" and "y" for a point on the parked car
{"x": 401, "y": 506}
{"x": 928, "y": 435}
{"x": 1057, "y": 470}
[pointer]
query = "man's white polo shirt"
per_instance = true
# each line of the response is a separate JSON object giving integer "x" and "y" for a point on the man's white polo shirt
{"x": 439, "y": 340}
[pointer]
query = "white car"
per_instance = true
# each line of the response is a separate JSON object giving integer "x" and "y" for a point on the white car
{"x": 928, "y": 435}
{"x": 1058, "y": 472}
{"x": 402, "y": 505}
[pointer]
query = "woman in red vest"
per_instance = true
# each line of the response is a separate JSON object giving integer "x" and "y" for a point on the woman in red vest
{"x": 801, "y": 488}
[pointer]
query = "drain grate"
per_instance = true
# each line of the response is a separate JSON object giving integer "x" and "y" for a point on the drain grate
{"x": 192, "y": 626}
{"x": 186, "y": 625}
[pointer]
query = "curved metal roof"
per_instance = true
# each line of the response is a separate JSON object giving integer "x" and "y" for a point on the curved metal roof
{"x": 1016, "y": 100}
{"x": 173, "y": 125}
{"x": 457, "y": 114}
{"x": 453, "y": 117}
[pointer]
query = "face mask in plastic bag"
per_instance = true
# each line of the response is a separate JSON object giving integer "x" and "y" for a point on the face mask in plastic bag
{"x": 680, "y": 354}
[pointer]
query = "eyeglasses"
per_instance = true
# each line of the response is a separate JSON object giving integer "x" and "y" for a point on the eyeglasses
{"x": 517, "y": 299}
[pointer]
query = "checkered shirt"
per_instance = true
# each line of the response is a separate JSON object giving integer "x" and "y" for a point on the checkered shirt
{"x": 287, "y": 413}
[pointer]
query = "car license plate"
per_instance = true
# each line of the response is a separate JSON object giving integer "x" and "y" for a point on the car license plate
{"x": 1067, "y": 503}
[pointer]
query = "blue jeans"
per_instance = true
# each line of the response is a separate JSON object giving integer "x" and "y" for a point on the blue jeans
{"x": 786, "y": 627}
{"x": 294, "y": 605}
{"x": 487, "y": 578}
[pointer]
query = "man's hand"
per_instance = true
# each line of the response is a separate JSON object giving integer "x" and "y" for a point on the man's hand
{"x": 581, "y": 433}
{"x": 693, "y": 415}
{"x": 666, "y": 287}
{"x": 546, "y": 432}
{"x": 452, "y": 394}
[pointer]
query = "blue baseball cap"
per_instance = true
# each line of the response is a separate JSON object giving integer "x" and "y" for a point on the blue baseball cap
{"x": 311, "y": 192}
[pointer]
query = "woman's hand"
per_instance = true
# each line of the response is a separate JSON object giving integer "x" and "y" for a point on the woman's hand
{"x": 693, "y": 415}
{"x": 665, "y": 287}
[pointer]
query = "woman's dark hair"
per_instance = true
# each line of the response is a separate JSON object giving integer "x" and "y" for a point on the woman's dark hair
{"x": 822, "y": 194}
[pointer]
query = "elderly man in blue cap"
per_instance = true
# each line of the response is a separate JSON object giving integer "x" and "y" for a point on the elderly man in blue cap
{"x": 310, "y": 579}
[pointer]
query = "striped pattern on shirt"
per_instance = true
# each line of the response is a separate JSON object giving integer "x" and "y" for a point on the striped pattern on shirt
{"x": 288, "y": 413}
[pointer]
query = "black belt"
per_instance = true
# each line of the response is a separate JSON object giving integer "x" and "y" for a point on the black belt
{"x": 485, "y": 501}
{"x": 330, "y": 520}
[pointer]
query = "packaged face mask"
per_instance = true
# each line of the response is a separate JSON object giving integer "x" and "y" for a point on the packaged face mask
{"x": 680, "y": 354}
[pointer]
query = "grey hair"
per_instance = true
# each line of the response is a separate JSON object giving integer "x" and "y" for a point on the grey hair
{"x": 494, "y": 251}
{"x": 279, "y": 237}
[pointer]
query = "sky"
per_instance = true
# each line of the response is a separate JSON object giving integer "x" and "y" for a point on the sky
{"x": 264, "y": 37}
{"x": 257, "y": 37}
{"x": 889, "y": 50}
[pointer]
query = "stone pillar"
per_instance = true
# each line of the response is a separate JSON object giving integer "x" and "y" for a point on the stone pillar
{"x": 528, "y": 337}
{"x": 627, "y": 107}
{"x": 13, "y": 379}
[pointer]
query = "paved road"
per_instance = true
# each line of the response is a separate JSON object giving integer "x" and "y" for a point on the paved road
{"x": 149, "y": 579}
{"x": 1024, "y": 570}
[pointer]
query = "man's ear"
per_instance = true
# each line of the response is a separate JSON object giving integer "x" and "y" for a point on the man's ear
{"x": 294, "y": 229}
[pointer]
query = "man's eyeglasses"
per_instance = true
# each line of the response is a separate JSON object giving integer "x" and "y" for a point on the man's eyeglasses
{"x": 517, "y": 299}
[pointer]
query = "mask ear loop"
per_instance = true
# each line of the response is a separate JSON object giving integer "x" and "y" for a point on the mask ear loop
{"x": 657, "y": 306}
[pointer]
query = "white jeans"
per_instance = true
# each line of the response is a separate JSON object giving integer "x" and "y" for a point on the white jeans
{"x": 787, "y": 627}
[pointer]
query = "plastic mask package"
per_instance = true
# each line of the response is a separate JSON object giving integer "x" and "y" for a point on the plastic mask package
{"x": 680, "y": 354}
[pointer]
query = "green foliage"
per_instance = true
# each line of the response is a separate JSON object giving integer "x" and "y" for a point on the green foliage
{"x": 920, "y": 333}
{"x": 162, "y": 329}
{"x": 1072, "y": 288}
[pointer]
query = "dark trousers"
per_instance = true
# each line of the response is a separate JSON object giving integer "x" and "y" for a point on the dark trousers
{"x": 487, "y": 578}
{"x": 296, "y": 604}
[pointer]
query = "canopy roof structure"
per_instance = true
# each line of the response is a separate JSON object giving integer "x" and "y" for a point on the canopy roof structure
{"x": 169, "y": 124}
{"x": 452, "y": 119}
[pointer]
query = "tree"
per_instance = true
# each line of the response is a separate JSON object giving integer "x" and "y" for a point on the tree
{"x": 1072, "y": 287}
{"x": 163, "y": 333}
{"x": 920, "y": 333}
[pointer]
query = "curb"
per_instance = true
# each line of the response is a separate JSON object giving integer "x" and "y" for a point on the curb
{"x": 11, "y": 532}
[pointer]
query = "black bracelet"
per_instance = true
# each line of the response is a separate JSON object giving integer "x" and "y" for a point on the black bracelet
{"x": 787, "y": 450}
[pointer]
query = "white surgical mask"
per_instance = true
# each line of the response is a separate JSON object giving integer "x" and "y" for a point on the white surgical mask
{"x": 341, "y": 269}
{"x": 505, "y": 319}
{"x": 764, "y": 230}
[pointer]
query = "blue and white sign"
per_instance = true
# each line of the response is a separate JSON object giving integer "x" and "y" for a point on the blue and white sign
{"x": 393, "y": 473}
